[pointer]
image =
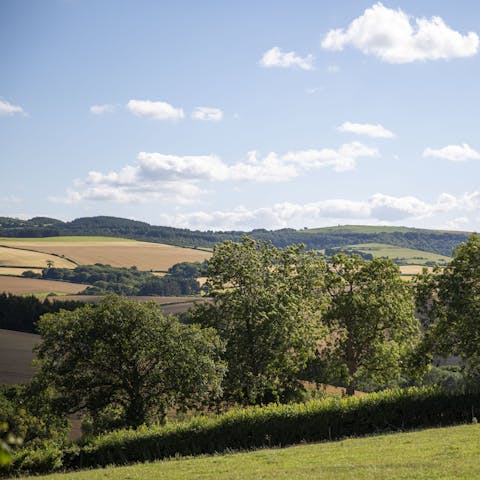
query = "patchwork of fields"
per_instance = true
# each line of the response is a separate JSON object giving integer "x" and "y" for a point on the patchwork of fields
{"x": 68, "y": 252}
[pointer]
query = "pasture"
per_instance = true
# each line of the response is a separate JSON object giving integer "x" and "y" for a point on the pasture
{"x": 408, "y": 256}
{"x": 26, "y": 286}
{"x": 116, "y": 252}
{"x": 434, "y": 454}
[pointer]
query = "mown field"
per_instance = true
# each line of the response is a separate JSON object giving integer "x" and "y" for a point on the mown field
{"x": 408, "y": 256}
{"x": 116, "y": 252}
{"x": 25, "y": 286}
{"x": 19, "y": 257}
{"x": 433, "y": 454}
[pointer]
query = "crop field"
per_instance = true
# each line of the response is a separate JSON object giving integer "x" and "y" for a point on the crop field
{"x": 16, "y": 356}
{"x": 116, "y": 252}
{"x": 169, "y": 305}
{"x": 18, "y": 271}
{"x": 17, "y": 257}
{"x": 433, "y": 454}
{"x": 401, "y": 254}
{"x": 24, "y": 286}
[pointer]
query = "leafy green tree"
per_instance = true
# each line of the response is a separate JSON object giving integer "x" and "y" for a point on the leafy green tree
{"x": 126, "y": 357}
{"x": 449, "y": 300}
{"x": 266, "y": 306}
{"x": 371, "y": 321}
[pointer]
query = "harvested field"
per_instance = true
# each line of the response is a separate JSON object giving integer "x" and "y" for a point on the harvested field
{"x": 116, "y": 252}
{"x": 22, "y": 286}
{"x": 169, "y": 305}
{"x": 413, "y": 269}
{"x": 18, "y": 257}
{"x": 16, "y": 355}
{"x": 18, "y": 271}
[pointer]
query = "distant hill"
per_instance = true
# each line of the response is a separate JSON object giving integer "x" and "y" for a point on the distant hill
{"x": 441, "y": 242}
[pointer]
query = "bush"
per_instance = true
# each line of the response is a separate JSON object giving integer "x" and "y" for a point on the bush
{"x": 272, "y": 425}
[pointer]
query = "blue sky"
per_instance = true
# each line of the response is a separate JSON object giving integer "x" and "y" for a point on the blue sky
{"x": 225, "y": 115}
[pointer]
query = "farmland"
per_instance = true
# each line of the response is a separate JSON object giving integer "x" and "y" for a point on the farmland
{"x": 401, "y": 255}
{"x": 116, "y": 252}
{"x": 16, "y": 356}
{"x": 23, "y": 286}
{"x": 19, "y": 257}
{"x": 440, "y": 453}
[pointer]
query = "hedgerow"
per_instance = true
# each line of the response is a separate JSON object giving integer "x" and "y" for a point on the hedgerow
{"x": 271, "y": 425}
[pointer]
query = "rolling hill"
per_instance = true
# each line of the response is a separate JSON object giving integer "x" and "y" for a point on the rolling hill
{"x": 441, "y": 242}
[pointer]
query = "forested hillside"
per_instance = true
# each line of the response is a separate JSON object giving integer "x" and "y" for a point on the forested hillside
{"x": 436, "y": 241}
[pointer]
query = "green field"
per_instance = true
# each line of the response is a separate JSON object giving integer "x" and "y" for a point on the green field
{"x": 404, "y": 255}
{"x": 373, "y": 229}
{"x": 434, "y": 454}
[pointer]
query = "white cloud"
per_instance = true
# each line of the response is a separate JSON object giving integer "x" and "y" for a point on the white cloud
{"x": 342, "y": 159}
{"x": 157, "y": 175}
{"x": 392, "y": 36}
{"x": 207, "y": 113}
{"x": 369, "y": 129}
{"x": 103, "y": 108}
{"x": 7, "y": 108}
{"x": 155, "y": 110}
{"x": 454, "y": 153}
{"x": 379, "y": 208}
{"x": 276, "y": 58}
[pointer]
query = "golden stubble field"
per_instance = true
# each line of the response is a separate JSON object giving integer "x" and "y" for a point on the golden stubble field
{"x": 90, "y": 250}
{"x": 25, "y": 286}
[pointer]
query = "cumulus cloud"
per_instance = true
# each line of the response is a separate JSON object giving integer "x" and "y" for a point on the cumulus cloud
{"x": 369, "y": 129}
{"x": 7, "y": 108}
{"x": 395, "y": 37}
{"x": 155, "y": 110}
{"x": 156, "y": 175}
{"x": 276, "y": 58}
{"x": 382, "y": 208}
{"x": 103, "y": 108}
{"x": 207, "y": 113}
{"x": 454, "y": 153}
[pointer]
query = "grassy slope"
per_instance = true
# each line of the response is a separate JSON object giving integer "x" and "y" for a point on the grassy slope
{"x": 445, "y": 453}
{"x": 374, "y": 229}
{"x": 407, "y": 255}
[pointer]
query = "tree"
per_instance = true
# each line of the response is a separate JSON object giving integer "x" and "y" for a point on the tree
{"x": 451, "y": 306}
{"x": 371, "y": 321}
{"x": 266, "y": 306}
{"x": 125, "y": 356}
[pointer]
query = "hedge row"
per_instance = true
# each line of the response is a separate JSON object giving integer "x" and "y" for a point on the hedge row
{"x": 272, "y": 425}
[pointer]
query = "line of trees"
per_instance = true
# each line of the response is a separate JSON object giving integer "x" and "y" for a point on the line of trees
{"x": 277, "y": 317}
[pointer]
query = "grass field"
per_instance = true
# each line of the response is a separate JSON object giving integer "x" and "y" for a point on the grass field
{"x": 16, "y": 257}
{"x": 404, "y": 255}
{"x": 117, "y": 252}
{"x": 433, "y": 454}
{"x": 373, "y": 229}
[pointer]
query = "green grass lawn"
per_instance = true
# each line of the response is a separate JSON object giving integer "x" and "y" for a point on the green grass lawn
{"x": 442, "y": 453}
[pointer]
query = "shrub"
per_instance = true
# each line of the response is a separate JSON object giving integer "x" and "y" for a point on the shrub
{"x": 275, "y": 425}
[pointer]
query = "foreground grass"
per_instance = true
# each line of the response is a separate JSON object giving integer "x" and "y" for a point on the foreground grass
{"x": 440, "y": 453}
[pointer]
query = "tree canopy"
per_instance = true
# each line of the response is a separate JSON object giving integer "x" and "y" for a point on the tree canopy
{"x": 370, "y": 319}
{"x": 126, "y": 357}
{"x": 266, "y": 306}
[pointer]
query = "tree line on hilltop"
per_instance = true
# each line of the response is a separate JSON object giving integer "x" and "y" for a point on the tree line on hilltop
{"x": 427, "y": 240}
